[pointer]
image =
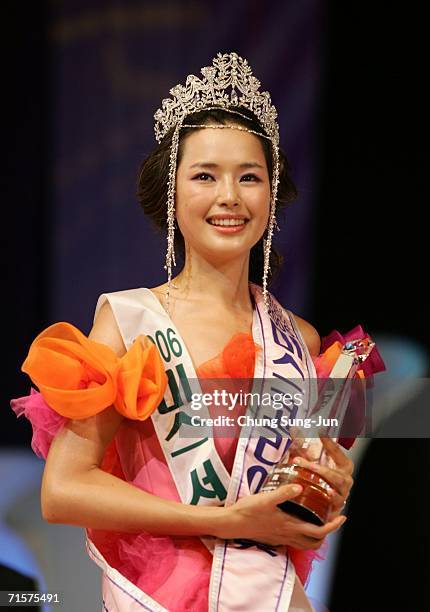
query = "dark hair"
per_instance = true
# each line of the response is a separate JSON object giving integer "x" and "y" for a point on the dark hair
{"x": 153, "y": 175}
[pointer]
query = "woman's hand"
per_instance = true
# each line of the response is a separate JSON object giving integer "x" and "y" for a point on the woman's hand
{"x": 257, "y": 517}
{"x": 339, "y": 476}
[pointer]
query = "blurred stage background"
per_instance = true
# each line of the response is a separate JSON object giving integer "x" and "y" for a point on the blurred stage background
{"x": 83, "y": 82}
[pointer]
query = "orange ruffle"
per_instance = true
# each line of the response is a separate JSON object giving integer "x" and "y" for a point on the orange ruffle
{"x": 79, "y": 377}
{"x": 324, "y": 362}
{"x": 236, "y": 360}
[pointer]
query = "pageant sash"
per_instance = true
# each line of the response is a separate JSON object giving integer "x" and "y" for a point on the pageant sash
{"x": 244, "y": 575}
{"x": 272, "y": 579}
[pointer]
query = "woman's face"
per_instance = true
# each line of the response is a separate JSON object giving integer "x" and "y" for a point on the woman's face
{"x": 222, "y": 172}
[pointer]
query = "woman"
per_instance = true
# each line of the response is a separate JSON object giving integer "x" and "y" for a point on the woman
{"x": 172, "y": 523}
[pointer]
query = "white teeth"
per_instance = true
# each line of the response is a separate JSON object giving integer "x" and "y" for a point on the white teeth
{"x": 227, "y": 221}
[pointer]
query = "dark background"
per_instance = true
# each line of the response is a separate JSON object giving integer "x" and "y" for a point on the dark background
{"x": 353, "y": 241}
{"x": 81, "y": 82}
{"x": 370, "y": 215}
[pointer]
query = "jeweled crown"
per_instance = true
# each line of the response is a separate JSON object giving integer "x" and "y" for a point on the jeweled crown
{"x": 228, "y": 70}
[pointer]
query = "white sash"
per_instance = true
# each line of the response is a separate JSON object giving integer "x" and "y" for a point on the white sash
{"x": 242, "y": 578}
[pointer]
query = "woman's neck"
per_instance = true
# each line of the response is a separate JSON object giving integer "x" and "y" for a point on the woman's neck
{"x": 224, "y": 287}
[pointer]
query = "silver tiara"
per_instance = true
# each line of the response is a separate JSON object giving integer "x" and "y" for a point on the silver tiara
{"x": 228, "y": 70}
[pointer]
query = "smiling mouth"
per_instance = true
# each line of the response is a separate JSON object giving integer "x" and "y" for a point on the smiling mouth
{"x": 227, "y": 222}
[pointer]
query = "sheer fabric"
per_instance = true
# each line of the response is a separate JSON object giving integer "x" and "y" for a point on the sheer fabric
{"x": 175, "y": 571}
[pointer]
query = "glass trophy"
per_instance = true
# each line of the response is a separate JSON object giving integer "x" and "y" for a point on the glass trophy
{"x": 313, "y": 504}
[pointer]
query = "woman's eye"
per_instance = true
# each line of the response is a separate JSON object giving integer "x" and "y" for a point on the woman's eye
{"x": 203, "y": 176}
{"x": 253, "y": 176}
{"x": 199, "y": 176}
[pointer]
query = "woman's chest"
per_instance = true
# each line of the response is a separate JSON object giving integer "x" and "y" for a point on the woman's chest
{"x": 205, "y": 340}
{"x": 205, "y": 329}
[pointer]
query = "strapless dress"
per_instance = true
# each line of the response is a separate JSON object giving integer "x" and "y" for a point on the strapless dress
{"x": 175, "y": 571}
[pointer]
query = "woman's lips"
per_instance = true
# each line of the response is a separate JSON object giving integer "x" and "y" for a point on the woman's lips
{"x": 228, "y": 229}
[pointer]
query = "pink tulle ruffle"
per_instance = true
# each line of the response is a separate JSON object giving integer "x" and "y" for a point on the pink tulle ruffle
{"x": 150, "y": 561}
{"x": 45, "y": 421}
{"x": 144, "y": 559}
{"x": 303, "y": 560}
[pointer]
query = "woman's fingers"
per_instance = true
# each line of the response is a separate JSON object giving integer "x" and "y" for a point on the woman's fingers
{"x": 282, "y": 493}
{"x": 284, "y": 528}
{"x": 340, "y": 481}
{"x": 318, "y": 533}
{"x": 307, "y": 536}
{"x": 341, "y": 459}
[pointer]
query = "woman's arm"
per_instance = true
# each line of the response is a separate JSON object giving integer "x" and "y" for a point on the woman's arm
{"x": 76, "y": 491}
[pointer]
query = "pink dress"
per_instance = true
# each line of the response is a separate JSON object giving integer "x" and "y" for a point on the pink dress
{"x": 175, "y": 571}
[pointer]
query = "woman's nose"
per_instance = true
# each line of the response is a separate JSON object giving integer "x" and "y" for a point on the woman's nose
{"x": 228, "y": 192}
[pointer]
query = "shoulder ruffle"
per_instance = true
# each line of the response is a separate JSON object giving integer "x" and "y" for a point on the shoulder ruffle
{"x": 331, "y": 347}
{"x": 79, "y": 377}
{"x": 45, "y": 422}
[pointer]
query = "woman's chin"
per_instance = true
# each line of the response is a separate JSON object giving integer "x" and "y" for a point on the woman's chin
{"x": 224, "y": 253}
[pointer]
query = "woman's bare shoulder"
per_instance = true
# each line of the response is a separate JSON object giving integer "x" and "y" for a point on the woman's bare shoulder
{"x": 105, "y": 330}
{"x": 82, "y": 442}
{"x": 309, "y": 333}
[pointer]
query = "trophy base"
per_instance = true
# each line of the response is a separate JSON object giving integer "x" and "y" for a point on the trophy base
{"x": 301, "y": 512}
{"x": 313, "y": 504}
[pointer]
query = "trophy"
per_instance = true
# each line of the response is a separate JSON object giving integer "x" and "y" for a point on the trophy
{"x": 313, "y": 504}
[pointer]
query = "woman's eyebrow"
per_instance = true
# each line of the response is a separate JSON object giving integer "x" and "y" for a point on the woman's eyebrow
{"x": 213, "y": 165}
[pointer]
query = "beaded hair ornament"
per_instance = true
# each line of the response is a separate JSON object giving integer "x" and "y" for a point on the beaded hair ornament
{"x": 228, "y": 72}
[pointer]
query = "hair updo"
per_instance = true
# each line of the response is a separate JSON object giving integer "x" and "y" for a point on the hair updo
{"x": 153, "y": 177}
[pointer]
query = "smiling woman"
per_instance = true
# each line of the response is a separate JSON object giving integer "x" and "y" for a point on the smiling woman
{"x": 226, "y": 191}
{"x": 218, "y": 160}
{"x": 178, "y": 522}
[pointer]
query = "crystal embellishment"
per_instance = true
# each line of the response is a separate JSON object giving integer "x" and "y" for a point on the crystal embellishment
{"x": 228, "y": 72}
